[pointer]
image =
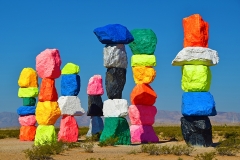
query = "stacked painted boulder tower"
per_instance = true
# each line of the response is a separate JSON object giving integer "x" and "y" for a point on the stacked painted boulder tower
{"x": 48, "y": 64}
{"x": 115, "y": 109}
{"x": 197, "y": 102}
{"x": 95, "y": 105}
{"x": 28, "y": 83}
{"x": 142, "y": 112}
{"x": 69, "y": 103}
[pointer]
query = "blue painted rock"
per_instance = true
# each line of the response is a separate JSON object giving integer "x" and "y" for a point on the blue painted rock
{"x": 95, "y": 126}
{"x": 70, "y": 85}
{"x": 26, "y": 110}
{"x": 113, "y": 34}
{"x": 95, "y": 105}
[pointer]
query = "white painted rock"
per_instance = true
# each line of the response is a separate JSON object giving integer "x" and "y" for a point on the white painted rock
{"x": 70, "y": 105}
{"x": 114, "y": 55}
{"x": 115, "y": 108}
{"x": 196, "y": 56}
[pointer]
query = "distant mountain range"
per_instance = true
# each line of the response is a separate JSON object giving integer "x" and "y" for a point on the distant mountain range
{"x": 10, "y": 119}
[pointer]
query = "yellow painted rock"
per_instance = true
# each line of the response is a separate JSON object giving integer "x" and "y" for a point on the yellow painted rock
{"x": 143, "y": 74}
{"x": 47, "y": 112}
{"x": 196, "y": 78}
{"x": 143, "y": 60}
{"x": 28, "y": 78}
{"x": 45, "y": 134}
{"x": 28, "y": 92}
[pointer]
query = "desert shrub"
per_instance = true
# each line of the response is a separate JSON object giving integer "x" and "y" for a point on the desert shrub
{"x": 134, "y": 151}
{"x": 182, "y": 150}
{"x": 108, "y": 142}
{"x": 88, "y": 145}
{"x": 82, "y": 131}
{"x": 169, "y": 132}
{"x": 229, "y": 146}
{"x": 205, "y": 156}
{"x": 9, "y": 133}
{"x": 231, "y": 134}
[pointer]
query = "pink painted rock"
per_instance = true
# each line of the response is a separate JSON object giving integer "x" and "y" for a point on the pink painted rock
{"x": 68, "y": 129}
{"x": 48, "y": 64}
{"x": 142, "y": 115}
{"x": 143, "y": 134}
{"x": 95, "y": 85}
{"x": 29, "y": 120}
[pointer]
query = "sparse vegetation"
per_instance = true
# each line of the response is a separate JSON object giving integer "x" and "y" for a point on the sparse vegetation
{"x": 206, "y": 156}
{"x": 169, "y": 132}
{"x": 9, "y": 133}
{"x": 88, "y": 145}
{"x": 108, "y": 142}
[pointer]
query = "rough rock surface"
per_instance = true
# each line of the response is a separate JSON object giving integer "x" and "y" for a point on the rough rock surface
{"x": 196, "y": 56}
{"x": 45, "y": 134}
{"x": 27, "y": 133}
{"x": 28, "y": 78}
{"x": 114, "y": 55}
{"x": 143, "y": 74}
{"x": 95, "y": 86}
{"x": 113, "y": 34}
{"x": 26, "y": 110}
{"x": 198, "y": 104}
{"x": 29, "y": 120}
{"x": 27, "y": 92}
{"x": 48, "y": 91}
{"x": 145, "y": 41}
{"x": 68, "y": 129}
{"x": 70, "y": 85}
{"x": 70, "y": 68}
{"x": 116, "y": 127}
{"x": 143, "y": 134}
{"x": 29, "y": 101}
{"x": 95, "y": 106}
{"x": 195, "y": 31}
{"x": 95, "y": 126}
{"x": 114, "y": 82}
{"x": 143, "y": 60}
{"x": 197, "y": 131}
{"x": 143, "y": 94}
{"x": 196, "y": 78}
{"x": 115, "y": 108}
{"x": 142, "y": 115}
{"x": 70, "y": 105}
{"x": 47, "y": 113}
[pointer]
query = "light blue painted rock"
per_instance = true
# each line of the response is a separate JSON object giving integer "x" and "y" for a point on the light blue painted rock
{"x": 26, "y": 110}
{"x": 70, "y": 85}
{"x": 198, "y": 104}
{"x": 95, "y": 126}
{"x": 113, "y": 34}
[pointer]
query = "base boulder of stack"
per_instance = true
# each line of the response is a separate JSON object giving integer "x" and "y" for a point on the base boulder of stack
{"x": 143, "y": 134}
{"x": 95, "y": 126}
{"x": 45, "y": 134}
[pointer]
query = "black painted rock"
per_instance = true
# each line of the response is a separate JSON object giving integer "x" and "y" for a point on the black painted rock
{"x": 95, "y": 105}
{"x": 114, "y": 82}
{"x": 197, "y": 130}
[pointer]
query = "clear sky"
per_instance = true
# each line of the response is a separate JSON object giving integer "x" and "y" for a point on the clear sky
{"x": 29, "y": 27}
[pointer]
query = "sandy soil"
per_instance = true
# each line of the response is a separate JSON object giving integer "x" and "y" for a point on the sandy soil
{"x": 11, "y": 149}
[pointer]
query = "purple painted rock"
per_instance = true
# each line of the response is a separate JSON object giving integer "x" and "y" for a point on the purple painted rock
{"x": 141, "y": 114}
{"x": 29, "y": 120}
{"x": 95, "y": 85}
{"x": 68, "y": 129}
{"x": 143, "y": 134}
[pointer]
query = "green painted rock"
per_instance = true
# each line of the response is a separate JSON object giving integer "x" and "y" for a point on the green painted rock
{"x": 196, "y": 78}
{"x": 45, "y": 134}
{"x": 28, "y": 92}
{"x": 145, "y": 41}
{"x": 116, "y": 127}
{"x": 70, "y": 68}
{"x": 143, "y": 60}
{"x": 29, "y": 101}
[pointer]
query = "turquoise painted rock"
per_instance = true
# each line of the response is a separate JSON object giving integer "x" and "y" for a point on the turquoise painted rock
{"x": 29, "y": 101}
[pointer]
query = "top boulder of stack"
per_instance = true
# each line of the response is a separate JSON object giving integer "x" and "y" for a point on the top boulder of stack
{"x": 113, "y": 34}
{"x": 70, "y": 68}
{"x": 28, "y": 78}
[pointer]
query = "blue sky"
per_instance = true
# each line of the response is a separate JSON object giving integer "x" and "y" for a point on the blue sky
{"x": 29, "y": 27}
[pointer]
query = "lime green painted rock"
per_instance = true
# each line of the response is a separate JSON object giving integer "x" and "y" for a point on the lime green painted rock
{"x": 70, "y": 68}
{"x": 28, "y": 92}
{"x": 145, "y": 41}
{"x": 116, "y": 127}
{"x": 29, "y": 101}
{"x": 196, "y": 78}
{"x": 143, "y": 60}
{"x": 45, "y": 134}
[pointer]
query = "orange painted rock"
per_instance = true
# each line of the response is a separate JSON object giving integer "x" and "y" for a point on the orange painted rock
{"x": 28, "y": 78}
{"x": 47, "y": 113}
{"x": 143, "y": 74}
{"x": 27, "y": 133}
{"x": 48, "y": 90}
{"x": 195, "y": 31}
{"x": 143, "y": 94}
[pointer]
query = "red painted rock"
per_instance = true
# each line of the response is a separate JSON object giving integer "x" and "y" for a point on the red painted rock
{"x": 48, "y": 64}
{"x": 142, "y": 115}
{"x": 95, "y": 85}
{"x": 27, "y": 133}
{"x": 68, "y": 129}
{"x": 29, "y": 120}
{"x": 143, "y": 134}
{"x": 48, "y": 90}
{"x": 143, "y": 94}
